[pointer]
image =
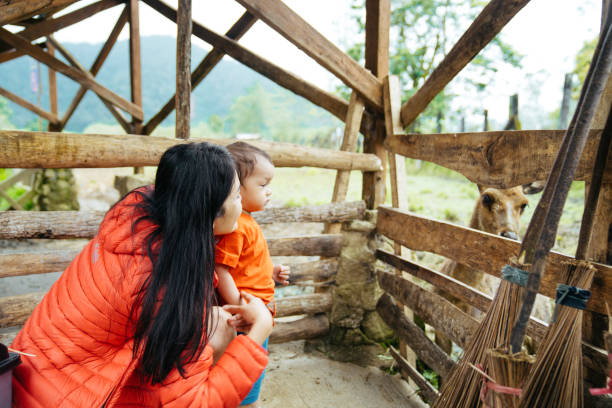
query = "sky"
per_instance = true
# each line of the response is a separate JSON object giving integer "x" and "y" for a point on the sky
{"x": 548, "y": 33}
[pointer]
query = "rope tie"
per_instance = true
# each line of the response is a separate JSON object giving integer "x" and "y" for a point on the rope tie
{"x": 515, "y": 275}
{"x": 488, "y": 384}
{"x": 570, "y": 296}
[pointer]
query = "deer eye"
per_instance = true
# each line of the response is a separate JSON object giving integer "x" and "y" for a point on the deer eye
{"x": 487, "y": 201}
{"x": 523, "y": 206}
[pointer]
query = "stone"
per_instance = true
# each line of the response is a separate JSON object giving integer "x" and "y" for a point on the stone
{"x": 374, "y": 327}
{"x": 344, "y": 315}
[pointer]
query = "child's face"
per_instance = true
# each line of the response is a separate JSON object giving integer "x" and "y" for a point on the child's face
{"x": 256, "y": 190}
{"x": 232, "y": 207}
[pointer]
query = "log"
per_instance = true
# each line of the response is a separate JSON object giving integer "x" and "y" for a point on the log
{"x": 480, "y": 250}
{"x": 306, "y": 328}
{"x": 15, "y": 310}
{"x": 22, "y": 149}
{"x": 485, "y": 27}
{"x": 97, "y": 64}
{"x": 435, "y": 311}
{"x": 332, "y": 212}
{"x": 291, "y": 26}
{"x": 71, "y": 72}
{"x": 213, "y": 57}
{"x": 135, "y": 64}
{"x": 52, "y": 90}
{"x": 183, "y": 70}
{"x": 20, "y": 264}
{"x": 304, "y": 304}
{"x": 327, "y": 245}
{"x": 19, "y": 10}
{"x": 428, "y": 390}
{"x": 415, "y": 338}
{"x": 326, "y": 100}
{"x": 52, "y": 118}
{"x": 501, "y": 159}
{"x": 312, "y": 271}
{"x": 84, "y": 224}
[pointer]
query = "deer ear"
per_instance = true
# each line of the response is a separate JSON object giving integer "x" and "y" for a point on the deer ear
{"x": 481, "y": 188}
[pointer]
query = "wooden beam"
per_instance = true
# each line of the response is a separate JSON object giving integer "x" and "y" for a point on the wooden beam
{"x": 135, "y": 66}
{"x": 328, "y": 101}
{"x": 480, "y": 250}
{"x": 51, "y": 25}
{"x": 485, "y": 27}
{"x": 291, "y": 26}
{"x": 71, "y": 72}
{"x": 501, "y": 159}
{"x": 313, "y": 270}
{"x": 183, "y": 70}
{"x": 309, "y": 327}
{"x": 52, "y": 91}
{"x": 456, "y": 324}
{"x": 29, "y": 106}
{"x": 73, "y": 61}
{"x": 331, "y": 212}
{"x": 97, "y": 65}
{"x": 414, "y": 336}
{"x": 310, "y": 245}
{"x": 15, "y": 310}
{"x": 304, "y": 304}
{"x": 214, "y": 56}
{"x": 349, "y": 143}
{"x": 425, "y": 387}
{"x": 22, "y": 149}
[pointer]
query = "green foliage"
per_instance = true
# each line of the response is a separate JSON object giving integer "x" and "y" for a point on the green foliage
{"x": 422, "y": 32}
{"x": 429, "y": 374}
{"x": 583, "y": 60}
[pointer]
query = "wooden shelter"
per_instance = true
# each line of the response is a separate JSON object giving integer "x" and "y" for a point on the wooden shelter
{"x": 500, "y": 159}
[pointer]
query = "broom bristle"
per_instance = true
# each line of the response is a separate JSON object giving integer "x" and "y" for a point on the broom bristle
{"x": 509, "y": 370}
{"x": 462, "y": 388}
{"x": 556, "y": 378}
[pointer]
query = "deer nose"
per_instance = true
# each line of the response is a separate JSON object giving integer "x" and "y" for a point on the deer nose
{"x": 509, "y": 234}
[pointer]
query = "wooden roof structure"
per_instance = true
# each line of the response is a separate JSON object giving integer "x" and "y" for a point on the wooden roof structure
{"x": 501, "y": 159}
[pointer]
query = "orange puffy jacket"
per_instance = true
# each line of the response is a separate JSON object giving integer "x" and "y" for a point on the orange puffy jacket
{"x": 82, "y": 339}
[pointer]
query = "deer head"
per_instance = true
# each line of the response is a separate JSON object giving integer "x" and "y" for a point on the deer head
{"x": 499, "y": 211}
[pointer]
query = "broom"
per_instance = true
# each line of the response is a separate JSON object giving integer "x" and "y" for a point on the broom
{"x": 461, "y": 389}
{"x": 556, "y": 377}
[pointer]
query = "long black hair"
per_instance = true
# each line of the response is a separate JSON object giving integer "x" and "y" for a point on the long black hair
{"x": 192, "y": 182}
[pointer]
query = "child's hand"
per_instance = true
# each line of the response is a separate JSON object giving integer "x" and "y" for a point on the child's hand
{"x": 281, "y": 273}
{"x": 253, "y": 318}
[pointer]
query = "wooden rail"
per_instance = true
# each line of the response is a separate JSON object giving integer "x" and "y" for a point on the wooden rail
{"x": 309, "y": 327}
{"x": 22, "y": 149}
{"x": 84, "y": 224}
{"x": 480, "y": 250}
{"x": 454, "y": 323}
{"x": 501, "y": 159}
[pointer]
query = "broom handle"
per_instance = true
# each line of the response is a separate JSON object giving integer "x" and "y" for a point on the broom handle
{"x": 588, "y": 216}
{"x": 536, "y": 225}
{"x": 576, "y": 141}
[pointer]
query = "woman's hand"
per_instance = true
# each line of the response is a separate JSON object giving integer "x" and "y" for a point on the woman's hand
{"x": 254, "y": 318}
{"x": 220, "y": 331}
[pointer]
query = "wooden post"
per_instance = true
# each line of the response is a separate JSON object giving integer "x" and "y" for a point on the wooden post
{"x": 485, "y": 126}
{"x": 513, "y": 120}
{"x": 349, "y": 142}
{"x": 397, "y": 173}
{"x": 378, "y": 14}
{"x": 567, "y": 93}
{"x": 595, "y": 324}
{"x": 53, "y": 127}
{"x": 135, "y": 68}
{"x": 183, "y": 69}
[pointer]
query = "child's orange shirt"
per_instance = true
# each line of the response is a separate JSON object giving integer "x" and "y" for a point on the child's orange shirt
{"x": 246, "y": 254}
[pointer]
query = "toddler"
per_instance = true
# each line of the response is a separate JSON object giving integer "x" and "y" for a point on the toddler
{"x": 242, "y": 259}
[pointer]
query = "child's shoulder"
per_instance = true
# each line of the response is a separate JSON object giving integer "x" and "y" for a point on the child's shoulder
{"x": 248, "y": 225}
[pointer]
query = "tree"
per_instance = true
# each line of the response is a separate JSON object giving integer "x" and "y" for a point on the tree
{"x": 422, "y": 32}
{"x": 5, "y": 115}
{"x": 583, "y": 61}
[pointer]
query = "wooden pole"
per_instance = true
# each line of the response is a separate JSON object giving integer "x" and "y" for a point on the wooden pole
{"x": 135, "y": 66}
{"x": 378, "y": 14}
{"x": 52, "y": 90}
{"x": 567, "y": 94}
{"x": 183, "y": 69}
{"x": 29, "y": 106}
{"x": 349, "y": 143}
{"x": 513, "y": 119}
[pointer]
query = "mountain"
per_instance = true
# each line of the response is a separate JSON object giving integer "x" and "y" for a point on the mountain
{"x": 214, "y": 96}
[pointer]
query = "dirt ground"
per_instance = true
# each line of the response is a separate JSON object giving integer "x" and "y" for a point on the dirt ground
{"x": 299, "y": 379}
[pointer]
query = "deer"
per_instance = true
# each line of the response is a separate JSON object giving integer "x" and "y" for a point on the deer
{"x": 497, "y": 211}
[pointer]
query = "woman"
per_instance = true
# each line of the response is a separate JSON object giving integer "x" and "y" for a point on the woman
{"x": 126, "y": 324}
